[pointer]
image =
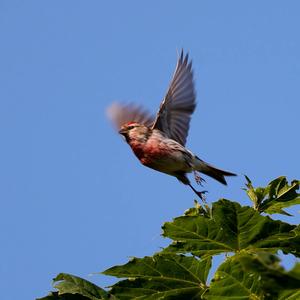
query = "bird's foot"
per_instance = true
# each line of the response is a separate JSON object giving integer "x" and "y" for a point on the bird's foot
{"x": 198, "y": 178}
{"x": 202, "y": 195}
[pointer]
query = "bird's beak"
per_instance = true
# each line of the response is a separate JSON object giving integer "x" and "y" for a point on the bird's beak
{"x": 123, "y": 131}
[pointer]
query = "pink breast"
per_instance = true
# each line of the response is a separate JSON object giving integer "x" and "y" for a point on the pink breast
{"x": 149, "y": 152}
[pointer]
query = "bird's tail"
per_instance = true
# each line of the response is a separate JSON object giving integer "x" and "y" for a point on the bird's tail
{"x": 211, "y": 171}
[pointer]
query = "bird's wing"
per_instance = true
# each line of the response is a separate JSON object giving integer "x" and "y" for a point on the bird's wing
{"x": 121, "y": 114}
{"x": 173, "y": 117}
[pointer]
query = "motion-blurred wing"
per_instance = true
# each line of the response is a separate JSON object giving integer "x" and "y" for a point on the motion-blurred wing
{"x": 121, "y": 114}
{"x": 173, "y": 117}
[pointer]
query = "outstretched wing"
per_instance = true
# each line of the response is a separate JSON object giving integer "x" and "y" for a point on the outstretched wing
{"x": 173, "y": 117}
{"x": 121, "y": 114}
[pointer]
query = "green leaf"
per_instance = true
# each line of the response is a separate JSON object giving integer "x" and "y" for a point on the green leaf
{"x": 56, "y": 296}
{"x": 161, "y": 277}
{"x": 253, "y": 276}
{"x": 233, "y": 282}
{"x": 274, "y": 279}
{"x": 255, "y": 195}
{"x": 73, "y": 287}
{"x": 198, "y": 210}
{"x": 292, "y": 294}
{"x": 295, "y": 272}
{"x": 231, "y": 228}
{"x": 277, "y": 195}
{"x": 289, "y": 295}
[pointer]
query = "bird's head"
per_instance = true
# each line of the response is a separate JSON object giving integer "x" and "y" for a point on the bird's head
{"x": 133, "y": 131}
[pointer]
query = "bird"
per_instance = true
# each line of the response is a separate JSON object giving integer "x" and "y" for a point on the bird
{"x": 159, "y": 141}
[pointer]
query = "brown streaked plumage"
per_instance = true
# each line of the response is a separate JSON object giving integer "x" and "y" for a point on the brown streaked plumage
{"x": 159, "y": 143}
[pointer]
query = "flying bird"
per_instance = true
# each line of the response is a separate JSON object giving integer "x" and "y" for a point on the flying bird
{"x": 159, "y": 142}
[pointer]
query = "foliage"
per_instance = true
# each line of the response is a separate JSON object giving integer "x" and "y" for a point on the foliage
{"x": 250, "y": 240}
{"x": 71, "y": 287}
{"x": 275, "y": 196}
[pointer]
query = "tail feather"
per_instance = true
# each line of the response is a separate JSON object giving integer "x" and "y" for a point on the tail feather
{"x": 213, "y": 172}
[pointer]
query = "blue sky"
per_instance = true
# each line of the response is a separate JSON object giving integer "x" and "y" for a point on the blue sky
{"x": 73, "y": 197}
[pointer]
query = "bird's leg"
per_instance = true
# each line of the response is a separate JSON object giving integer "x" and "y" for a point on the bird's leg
{"x": 198, "y": 178}
{"x": 199, "y": 194}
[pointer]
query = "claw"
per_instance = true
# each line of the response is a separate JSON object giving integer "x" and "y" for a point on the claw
{"x": 198, "y": 178}
{"x": 201, "y": 194}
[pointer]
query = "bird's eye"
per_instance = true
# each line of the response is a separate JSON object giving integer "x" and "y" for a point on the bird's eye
{"x": 130, "y": 127}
